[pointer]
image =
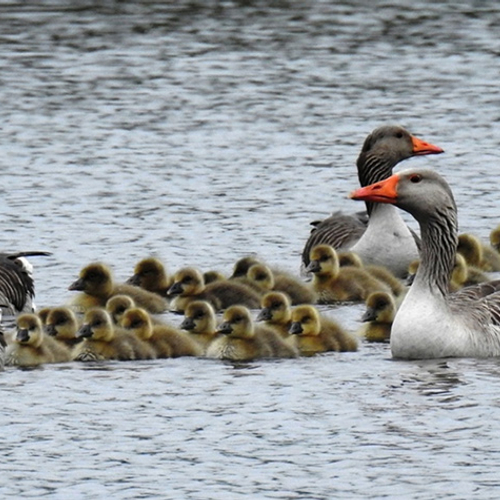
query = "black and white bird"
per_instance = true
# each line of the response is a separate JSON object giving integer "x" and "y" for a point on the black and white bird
{"x": 17, "y": 287}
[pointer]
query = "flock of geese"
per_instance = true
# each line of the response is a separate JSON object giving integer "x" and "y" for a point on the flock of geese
{"x": 429, "y": 295}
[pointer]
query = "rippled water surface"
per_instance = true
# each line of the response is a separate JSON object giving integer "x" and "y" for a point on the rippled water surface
{"x": 200, "y": 132}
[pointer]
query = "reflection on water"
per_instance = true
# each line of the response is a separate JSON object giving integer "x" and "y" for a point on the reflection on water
{"x": 203, "y": 131}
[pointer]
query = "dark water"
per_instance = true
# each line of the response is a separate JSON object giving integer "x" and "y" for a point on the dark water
{"x": 200, "y": 132}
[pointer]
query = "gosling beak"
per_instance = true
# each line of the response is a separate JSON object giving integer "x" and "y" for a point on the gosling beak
{"x": 225, "y": 328}
{"x": 84, "y": 332}
{"x": 22, "y": 335}
{"x": 187, "y": 324}
{"x": 76, "y": 285}
{"x": 264, "y": 315}
{"x": 175, "y": 289}
{"x": 296, "y": 328}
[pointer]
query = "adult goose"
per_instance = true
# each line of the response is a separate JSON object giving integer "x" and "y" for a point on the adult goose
{"x": 432, "y": 322}
{"x": 17, "y": 288}
{"x": 387, "y": 240}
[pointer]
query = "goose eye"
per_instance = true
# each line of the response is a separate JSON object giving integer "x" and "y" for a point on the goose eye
{"x": 399, "y": 135}
{"x": 415, "y": 178}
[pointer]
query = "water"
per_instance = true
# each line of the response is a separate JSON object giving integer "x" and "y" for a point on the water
{"x": 200, "y": 132}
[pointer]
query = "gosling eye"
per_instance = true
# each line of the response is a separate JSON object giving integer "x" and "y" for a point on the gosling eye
{"x": 187, "y": 279}
{"x": 415, "y": 178}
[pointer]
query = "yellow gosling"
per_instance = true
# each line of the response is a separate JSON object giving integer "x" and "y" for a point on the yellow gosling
{"x": 263, "y": 276}
{"x": 349, "y": 258}
{"x": 104, "y": 341}
{"x": 316, "y": 334}
{"x": 242, "y": 340}
{"x": 201, "y": 323}
{"x": 276, "y": 312}
{"x": 379, "y": 315}
{"x": 31, "y": 347}
{"x": 150, "y": 274}
{"x": 335, "y": 284}
{"x": 189, "y": 286}
{"x": 477, "y": 254}
{"x": 62, "y": 325}
{"x": 97, "y": 287}
{"x": 167, "y": 341}
{"x": 117, "y": 305}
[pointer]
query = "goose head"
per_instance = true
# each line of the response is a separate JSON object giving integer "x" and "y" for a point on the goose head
{"x": 323, "y": 260}
{"x": 61, "y": 323}
{"x": 237, "y": 322}
{"x": 276, "y": 308}
{"x": 305, "y": 321}
{"x": 97, "y": 324}
{"x": 421, "y": 192}
{"x": 262, "y": 276}
{"x": 95, "y": 279}
{"x": 29, "y": 330}
{"x": 138, "y": 321}
{"x": 117, "y": 305}
{"x": 187, "y": 281}
{"x": 149, "y": 274}
{"x": 380, "y": 307}
{"x": 199, "y": 317}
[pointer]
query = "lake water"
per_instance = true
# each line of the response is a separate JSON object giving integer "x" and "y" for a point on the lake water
{"x": 203, "y": 131}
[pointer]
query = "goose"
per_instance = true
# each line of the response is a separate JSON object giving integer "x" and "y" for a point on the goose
{"x": 387, "y": 240}
{"x": 31, "y": 347}
{"x": 97, "y": 286}
{"x": 337, "y": 284}
{"x": 167, "y": 341}
{"x": 276, "y": 312}
{"x": 105, "y": 341}
{"x": 378, "y": 317}
{"x": 117, "y": 305}
{"x": 242, "y": 340}
{"x": 151, "y": 275}
{"x": 62, "y": 325}
{"x": 349, "y": 258}
{"x": 432, "y": 322}
{"x": 189, "y": 285}
{"x": 315, "y": 333}
{"x": 17, "y": 287}
{"x": 200, "y": 321}
{"x": 299, "y": 293}
{"x": 477, "y": 254}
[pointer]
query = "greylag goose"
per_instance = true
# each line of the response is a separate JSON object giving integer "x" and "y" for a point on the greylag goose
{"x": 432, "y": 322}
{"x": 387, "y": 240}
{"x": 17, "y": 288}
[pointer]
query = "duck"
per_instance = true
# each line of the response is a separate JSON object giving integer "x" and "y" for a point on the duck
{"x": 299, "y": 293}
{"x": 350, "y": 258}
{"x": 242, "y": 340}
{"x": 150, "y": 274}
{"x": 63, "y": 325}
{"x": 166, "y": 340}
{"x": 96, "y": 285}
{"x": 477, "y": 254}
{"x": 200, "y": 321}
{"x": 17, "y": 286}
{"x": 117, "y": 305}
{"x": 189, "y": 285}
{"x": 433, "y": 322}
{"x": 378, "y": 317}
{"x": 276, "y": 312}
{"x": 105, "y": 341}
{"x": 333, "y": 283}
{"x": 387, "y": 241}
{"x": 30, "y": 347}
{"x": 315, "y": 333}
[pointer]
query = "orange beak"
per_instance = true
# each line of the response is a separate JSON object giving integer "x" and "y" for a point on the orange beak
{"x": 424, "y": 148}
{"x": 382, "y": 192}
